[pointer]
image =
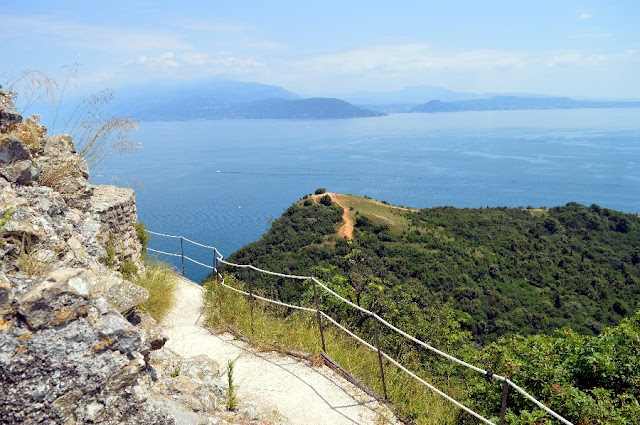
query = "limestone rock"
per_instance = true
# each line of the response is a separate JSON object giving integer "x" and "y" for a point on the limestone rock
{"x": 125, "y": 376}
{"x": 115, "y": 333}
{"x": 76, "y": 249}
{"x": 9, "y": 116}
{"x": 60, "y": 145}
{"x": 126, "y": 295}
{"x": 58, "y": 372}
{"x": 60, "y": 298}
{"x": 21, "y": 172}
{"x": 12, "y": 150}
{"x": 5, "y": 296}
{"x": 153, "y": 338}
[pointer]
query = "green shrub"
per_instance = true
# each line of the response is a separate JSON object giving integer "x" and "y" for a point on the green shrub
{"x": 586, "y": 379}
{"x": 5, "y": 218}
{"x": 128, "y": 269}
{"x": 161, "y": 282}
{"x": 320, "y": 191}
{"x": 110, "y": 249}
{"x": 143, "y": 237}
{"x": 326, "y": 200}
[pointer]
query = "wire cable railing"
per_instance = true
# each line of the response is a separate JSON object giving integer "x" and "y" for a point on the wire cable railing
{"x": 218, "y": 258}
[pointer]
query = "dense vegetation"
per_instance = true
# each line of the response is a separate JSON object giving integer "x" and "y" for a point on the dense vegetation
{"x": 561, "y": 277}
{"x": 505, "y": 269}
{"x": 588, "y": 379}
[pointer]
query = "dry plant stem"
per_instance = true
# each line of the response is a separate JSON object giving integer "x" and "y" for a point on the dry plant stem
{"x": 33, "y": 85}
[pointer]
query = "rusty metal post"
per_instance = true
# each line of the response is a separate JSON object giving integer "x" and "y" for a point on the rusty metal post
{"x": 384, "y": 382}
{"x": 182, "y": 251}
{"x": 251, "y": 299}
{"x": 315, "y": 297}
{"x": 505, "y": 390}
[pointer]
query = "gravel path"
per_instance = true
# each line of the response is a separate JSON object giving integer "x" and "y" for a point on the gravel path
{"x": 301, "y": 394}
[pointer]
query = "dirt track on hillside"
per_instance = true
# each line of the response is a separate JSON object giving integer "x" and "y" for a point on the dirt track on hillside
{"x": 346, "y": 230}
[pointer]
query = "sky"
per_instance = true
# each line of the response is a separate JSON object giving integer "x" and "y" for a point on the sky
{"x": 325, "y": 48}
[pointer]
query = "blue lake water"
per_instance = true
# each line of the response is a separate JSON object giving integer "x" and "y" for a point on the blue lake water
{"x": 220, "y": 182}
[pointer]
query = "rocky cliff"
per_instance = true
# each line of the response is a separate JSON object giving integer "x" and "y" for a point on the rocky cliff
{"x": 73, "y": 347}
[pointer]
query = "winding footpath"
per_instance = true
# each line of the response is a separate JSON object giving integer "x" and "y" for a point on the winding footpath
{"x": 346, "y": 230}
{"x": 272, "y": 382}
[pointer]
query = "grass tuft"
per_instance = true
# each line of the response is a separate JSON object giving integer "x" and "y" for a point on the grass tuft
{"x": 31, "y": 262}
{"x": 161, "y": 282}
{"x": 143, "y": 237}
{"x": 128, "y": 269}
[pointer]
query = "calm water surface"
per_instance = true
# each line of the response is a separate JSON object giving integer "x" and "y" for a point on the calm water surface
{"x": 220, "y": 182}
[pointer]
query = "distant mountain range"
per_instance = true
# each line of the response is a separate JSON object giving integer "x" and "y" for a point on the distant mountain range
{"x": 409, "y": 95}
{"x": 229, "y": 100}
{"x": 215, "y": 99}
{"x": 507, "y": 103}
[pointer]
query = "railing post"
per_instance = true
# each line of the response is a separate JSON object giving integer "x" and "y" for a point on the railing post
{"x": 251, "y": 299}
{"x": 384, "y": 383}
{"x": 215, "y": 265}
{"x": 505, "y": 390}
{"x": 182, "y": 251}
{"x": 315, "y": 297}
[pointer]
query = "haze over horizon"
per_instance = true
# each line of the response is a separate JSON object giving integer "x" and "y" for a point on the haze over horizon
{"x": 573, "y": 48}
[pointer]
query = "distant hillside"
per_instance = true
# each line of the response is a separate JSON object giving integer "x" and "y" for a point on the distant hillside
{"x": 409, "y": 95}
{"x": 316, "y": 108}
{"x": 313, "y": 108}
{"x": 227, "y": 100}
{"x": 506, "y": 103}
{"x": 506, "y": 270}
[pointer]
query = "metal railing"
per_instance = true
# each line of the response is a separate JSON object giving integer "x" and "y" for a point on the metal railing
{"x": 217, "y": 258}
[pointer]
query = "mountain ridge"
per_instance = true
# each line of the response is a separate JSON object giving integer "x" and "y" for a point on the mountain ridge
{"x": 511, "y": 103}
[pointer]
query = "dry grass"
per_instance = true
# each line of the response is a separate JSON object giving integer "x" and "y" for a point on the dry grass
{"x": 537, "y": 212}
{"x": 161, "y": 282}
{"x": 96, "y": 133}
{"x": 64, "y": 171}
{"x": 377, "y": 212}
{"x": 31, "y": 133}
{"x": 299, "y": 331}
{"x": 33, "y": 263}
{"x": 31, "y": 86}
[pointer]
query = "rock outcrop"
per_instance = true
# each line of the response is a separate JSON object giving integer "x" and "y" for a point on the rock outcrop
{"x": 67, "y": 353}
{"x": 68, "y": 357}
{"x": 73, "y": 347}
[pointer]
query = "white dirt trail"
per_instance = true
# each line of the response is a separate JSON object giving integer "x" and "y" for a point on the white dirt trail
{"x": 300, "y": 393}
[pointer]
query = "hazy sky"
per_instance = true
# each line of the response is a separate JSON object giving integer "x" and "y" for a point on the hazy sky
{"x": 574, "y": 48}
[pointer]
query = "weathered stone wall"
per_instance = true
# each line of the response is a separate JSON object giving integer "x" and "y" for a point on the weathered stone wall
{"x": 115, "y": 207}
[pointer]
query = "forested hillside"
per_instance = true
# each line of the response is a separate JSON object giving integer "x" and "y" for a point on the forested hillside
{"x": 505, "y": 270}
{"x": 550, "y": 295}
